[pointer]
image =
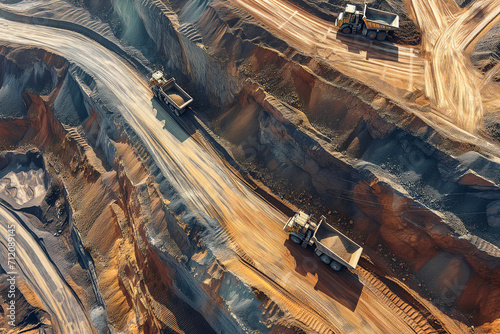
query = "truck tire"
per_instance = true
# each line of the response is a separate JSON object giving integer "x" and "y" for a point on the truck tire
{"x": 346, "y": 30}
{"x": 335, "y": 265}
{"x": 174, "y": 110}
{"x": 295, "y": 239}
{"x": 325, "y": 259}
{"x": 371, "y": 34}
{"x": 381, "y": 36}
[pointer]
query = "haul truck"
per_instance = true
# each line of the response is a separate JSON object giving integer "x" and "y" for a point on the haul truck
{"x": 332, "y": 247}
{"x": 170, "y": 93}
{"x": 372, "y": 23}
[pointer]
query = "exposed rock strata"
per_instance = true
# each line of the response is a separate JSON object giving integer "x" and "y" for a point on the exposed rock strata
{"x": 144, "y": 263}
{"x": 380, "y": 191}
{"x": 351, "y": 116}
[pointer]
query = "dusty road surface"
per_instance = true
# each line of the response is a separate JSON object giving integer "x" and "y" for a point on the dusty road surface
{"x": 261, "y": 256}
{"x": 451, "y": 81}
{"x": 67, "y": 313}
{"x": 373, "y": 63}
{"x": 445, "y": 73}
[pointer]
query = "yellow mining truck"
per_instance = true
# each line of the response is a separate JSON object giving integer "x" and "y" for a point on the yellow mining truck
{"x": 169, "y": 93}
{"x": 332, "y": 247}
{"x": 372, "y": 23}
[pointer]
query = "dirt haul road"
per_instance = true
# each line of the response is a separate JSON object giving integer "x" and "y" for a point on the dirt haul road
{"x": 382, "y": 65}
{"x": 67, "y": 313}
{"x": 254, "y": 244}
{"x": 445, "y": 74}
{"x": 450, "y": 80}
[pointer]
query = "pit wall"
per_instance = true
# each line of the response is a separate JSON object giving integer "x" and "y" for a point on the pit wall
{"x": 227, "y": 71}
{"x": 144, "y": 241}
{"x": 231, "y": 72}
{"x": 212, "y": 291}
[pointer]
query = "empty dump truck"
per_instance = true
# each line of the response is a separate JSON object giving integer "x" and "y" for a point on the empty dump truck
{"x": 170, "y": 93}
{"x": 332, "y": 247}
{"x": 372, "y": 23}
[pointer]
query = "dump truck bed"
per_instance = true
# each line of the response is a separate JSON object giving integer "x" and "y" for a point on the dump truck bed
{"x": 379, "y": 19}
{"x": 177, "y": 96}
{"x": 339, "y": 247}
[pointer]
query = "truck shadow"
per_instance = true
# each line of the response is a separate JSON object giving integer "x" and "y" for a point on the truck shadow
{"x": 342, "y": 286}
{"x": 171, "y": 122}
{"x": 374, "y": 49}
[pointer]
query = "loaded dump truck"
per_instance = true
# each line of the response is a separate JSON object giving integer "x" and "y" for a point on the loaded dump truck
{"x": 169, "y": 93}
{"x": 372, "y": 23}
{"x": 332, "y": 247}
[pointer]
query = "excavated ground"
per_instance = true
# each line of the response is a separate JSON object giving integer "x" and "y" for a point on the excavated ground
{"x": 417, "y": 198}
{"x": 409, "y": 34}
{"x": 64, "y": 189}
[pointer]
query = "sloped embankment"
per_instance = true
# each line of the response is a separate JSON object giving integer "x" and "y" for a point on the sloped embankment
{"x": 148, "y": 271}
{"x": 291, "y": 116}
{"x": 381, "y": 178}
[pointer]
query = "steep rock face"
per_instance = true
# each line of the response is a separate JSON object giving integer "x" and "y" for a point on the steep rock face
{"x": 361, "y": 125}
{"x": 38, "y": 79}
{"x": 142, "y": 267}
{"x": 28, "y": 306}
{"x": 19, "y": 172}
{"x": 185, "y": 58}
{"x": 152, "y": 248}
{"x": 40, "y": 201}
{"x": 211, "y": 48}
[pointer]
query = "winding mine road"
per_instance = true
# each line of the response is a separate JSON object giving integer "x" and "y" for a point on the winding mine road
{"x": 67, "y": 312}
{"x": 373, "y": 63}
{"x": 319, "y": 299}
{"x": 451, "y": 82}
{"x": 446, "y": 74}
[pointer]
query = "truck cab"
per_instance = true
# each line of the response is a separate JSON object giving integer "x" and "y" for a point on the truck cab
{"x": 301, "y": 227}
{"x": 349, "y": 17}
